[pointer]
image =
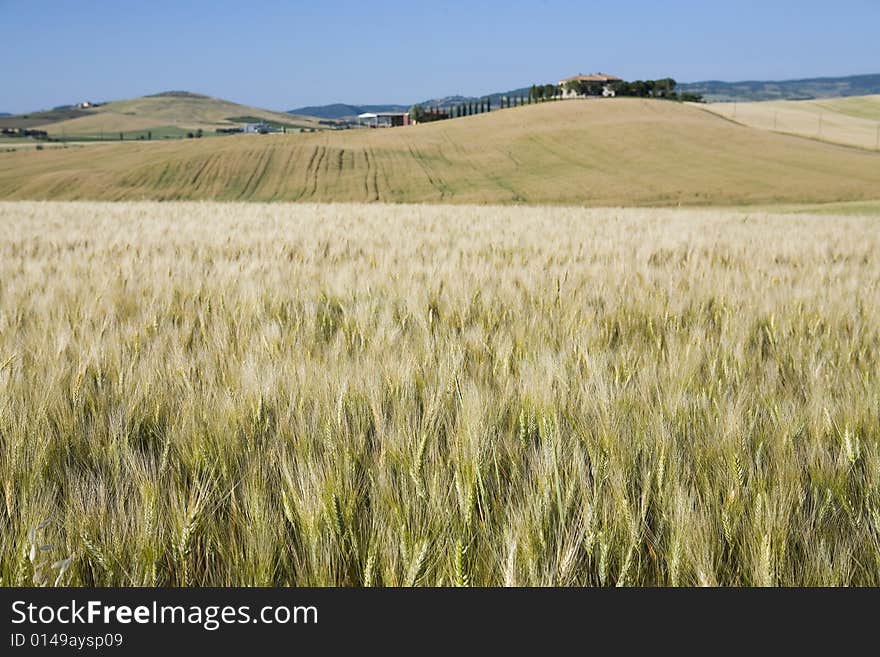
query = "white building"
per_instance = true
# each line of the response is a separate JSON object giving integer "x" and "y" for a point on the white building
{"x": 258, "y": 129}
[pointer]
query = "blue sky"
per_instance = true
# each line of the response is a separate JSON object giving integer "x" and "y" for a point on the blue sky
{"x": 282, "y": 55}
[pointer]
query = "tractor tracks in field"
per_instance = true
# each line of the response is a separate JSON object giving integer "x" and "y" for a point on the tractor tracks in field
{"x": 252, "y": 185}
{"x": 436, "y": 181}
{"x": 371, "y": 175}
{"x": 483, "y": 172}
{"x": 198, "y": 174}
{"x": 316, "y": 170}
{"x": 312, "y": 171}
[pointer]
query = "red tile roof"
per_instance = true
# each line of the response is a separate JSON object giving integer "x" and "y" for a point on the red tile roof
{"x": 593, "y": 77}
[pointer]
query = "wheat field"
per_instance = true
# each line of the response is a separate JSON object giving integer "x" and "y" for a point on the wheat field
{"x": 228, "y": 394}
{"x": 614, "y": 152}
{"x": 853, "y": 121}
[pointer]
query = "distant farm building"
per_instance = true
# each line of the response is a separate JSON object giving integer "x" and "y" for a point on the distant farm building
{"x": 258, "y": 129}
{"x": 568, "y": 84}
{"x": 384, "y": 119}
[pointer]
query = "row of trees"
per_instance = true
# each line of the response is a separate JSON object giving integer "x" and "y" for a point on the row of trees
{"x": 516, "y": 101}
{"x": 474, "y": 107}
{"x": 421, "y": 114}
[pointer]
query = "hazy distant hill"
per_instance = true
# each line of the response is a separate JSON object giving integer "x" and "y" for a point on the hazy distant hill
{"x": 343, "y": 111}
{"x": 806, "y": 89}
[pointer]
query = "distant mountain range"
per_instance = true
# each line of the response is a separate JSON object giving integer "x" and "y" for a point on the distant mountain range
{"x": 5, "y": 114}
{"x": 343, "y": 111}
{"x": 712, "y": 90}
{"x": 805, "y": 89}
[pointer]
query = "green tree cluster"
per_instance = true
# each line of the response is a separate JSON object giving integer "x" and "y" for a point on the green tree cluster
{"x": 662, "y": 88}
{"x": 542, "y": 92}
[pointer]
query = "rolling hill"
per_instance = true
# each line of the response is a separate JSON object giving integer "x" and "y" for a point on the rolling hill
{"x": 854, "y": 121}
{"x": 613, "y": 152}
{"x": 163, "y": 113}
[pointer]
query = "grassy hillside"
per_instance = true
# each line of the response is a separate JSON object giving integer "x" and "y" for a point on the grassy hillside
{"x": 181, "y": 110}
{"x": 853, "y": 121}
{"x": 252, "y": 394}
{"x": 613, "y": 152}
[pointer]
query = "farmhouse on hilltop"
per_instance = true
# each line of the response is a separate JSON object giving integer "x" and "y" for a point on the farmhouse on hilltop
{"x": 573, "y": 87}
